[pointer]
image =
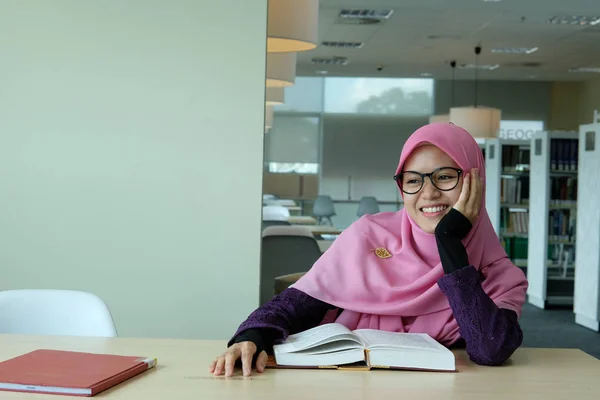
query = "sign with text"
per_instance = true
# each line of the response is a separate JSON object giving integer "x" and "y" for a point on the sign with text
{"x": 519, "y": 130}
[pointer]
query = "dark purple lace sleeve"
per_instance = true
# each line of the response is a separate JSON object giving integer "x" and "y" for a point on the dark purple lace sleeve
{"x": 491, "y": 334}
{"x": 289, "y": 312}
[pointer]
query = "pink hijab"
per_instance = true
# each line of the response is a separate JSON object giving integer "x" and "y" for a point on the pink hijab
{"x": 400, "y": 293}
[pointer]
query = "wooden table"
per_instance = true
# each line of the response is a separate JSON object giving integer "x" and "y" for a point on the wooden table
{"x": 182, "y": 373}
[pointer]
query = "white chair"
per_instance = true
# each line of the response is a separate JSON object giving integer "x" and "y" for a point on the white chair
{"x": 267, "y": 197}
{"x": 281, "y": 202}
{"x": 54, "y": 312}
{"x": 275, "y": 213}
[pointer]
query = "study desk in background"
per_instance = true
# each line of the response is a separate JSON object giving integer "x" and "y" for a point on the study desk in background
{"x": 301, "y": 220}
{"x": 182, "y": 373}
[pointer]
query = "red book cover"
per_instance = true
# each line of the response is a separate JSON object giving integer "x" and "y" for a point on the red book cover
{"x": 69, "y": 372}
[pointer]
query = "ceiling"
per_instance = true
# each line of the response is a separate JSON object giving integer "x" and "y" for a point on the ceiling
{"x": 423, "y": 36}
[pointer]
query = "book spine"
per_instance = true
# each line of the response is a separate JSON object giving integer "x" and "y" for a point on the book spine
{"x": 122, "y": 377}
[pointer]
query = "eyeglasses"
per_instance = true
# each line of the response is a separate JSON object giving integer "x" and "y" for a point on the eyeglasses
{"x": 444, "y": 179}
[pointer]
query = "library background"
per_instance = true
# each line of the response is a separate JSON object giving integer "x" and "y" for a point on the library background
{"x": 339, "y": 138}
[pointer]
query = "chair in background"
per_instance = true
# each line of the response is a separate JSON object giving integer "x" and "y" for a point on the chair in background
{"x": 268, "y": 197}
{"x": 285, "y": 250}
{"x": 367, "y": 205}
{"x": 323, "y": 209}
{"x": 281, "y": 202}
{"x": 285, "y": 281}
{"x": 275, "y": 213}
{"x": 268, "y": 223}
{"x": 54, "y": 312}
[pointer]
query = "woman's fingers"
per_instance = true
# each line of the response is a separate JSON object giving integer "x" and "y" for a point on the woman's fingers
{"x": 261, "y": 361}
{"x": 219, "y": 366}
{"x": 231, "y": 357}
{"x": 211, "y": 367}
{"x": 248, "y": 350}
{"x": 473, "y": 192}
{"x": 464, "y": 195}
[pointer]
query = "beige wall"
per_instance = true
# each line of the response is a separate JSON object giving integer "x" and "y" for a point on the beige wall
{"x": 573, "y": 104}
{"x": 131, "y": 157}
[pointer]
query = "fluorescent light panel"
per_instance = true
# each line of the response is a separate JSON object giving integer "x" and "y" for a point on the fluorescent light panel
{"x": 586, "y": 69}
{"x": 347, "y": 45}
{"x": 581, "y": 20}
{"x": 330, "y": 61}
{"x": 358, "y": 13}
{"x": 480, "y": 66}
{"x": 514, "y": 50}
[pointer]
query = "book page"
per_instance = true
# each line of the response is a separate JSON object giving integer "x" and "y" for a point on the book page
{"x": 316, "y": 336}
{"x": 383, "y": 339}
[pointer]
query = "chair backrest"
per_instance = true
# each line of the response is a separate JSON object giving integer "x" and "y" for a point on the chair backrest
{"x": 280, "y": 202}
{"x": 267, "y": 197}
{"x": 266, "y": 224}
{"x": 285, "y": 250}
{"x": 54, "y": 312}
{"x": 367, "y": 205}
{"x": 275, "y": 213}
{"x": 323, "y": 206}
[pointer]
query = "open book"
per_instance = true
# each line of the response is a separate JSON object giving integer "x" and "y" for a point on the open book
{"x": 335, "y": 346}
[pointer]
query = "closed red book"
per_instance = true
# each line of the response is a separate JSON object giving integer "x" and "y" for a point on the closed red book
{"x": 69, "y": 372}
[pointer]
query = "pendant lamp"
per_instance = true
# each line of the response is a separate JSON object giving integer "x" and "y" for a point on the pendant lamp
{"x": 292, "y": 25}
{"x": 281, "y": 69}
{"x": 268, "y": 118}
{"x": 445, "y": 118}
{"x": 274, "y": 96}
{"x": 479, "y": 121}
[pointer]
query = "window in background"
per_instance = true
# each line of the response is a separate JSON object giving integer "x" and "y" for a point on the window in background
{"x": 406, "y": 97}
{"x": 293, "y": 168}
{"x": 519, "y": 130}
{"x": 292, "y": 145}
{"x": 306, "y": 95}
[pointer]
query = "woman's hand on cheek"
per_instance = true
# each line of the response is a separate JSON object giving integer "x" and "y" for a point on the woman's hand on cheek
{"x": 469, "y": 202}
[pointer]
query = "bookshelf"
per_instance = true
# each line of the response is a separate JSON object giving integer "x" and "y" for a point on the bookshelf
{"x": 507, "y": 194}
{"x": 552, "y": 218}
{"x": 587, "y": 279}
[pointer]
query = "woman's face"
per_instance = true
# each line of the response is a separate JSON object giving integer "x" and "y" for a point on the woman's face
{"x": 429, "y": 204}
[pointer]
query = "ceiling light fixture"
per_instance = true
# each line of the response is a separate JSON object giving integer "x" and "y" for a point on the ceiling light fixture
{"x": 445, "y": 118}
{"x": 480, "y": 122}
{"x": 358, "y": 13}
{"x": 581, "y": 20}
{"x": 489, "y": 67}
{"x": 274, "y": 96}
{"x": 292, "y": 25}
{"x": 268, "y": 118}
{"x": 426, "y": 74}
{"x": 281, "y": 69}
{"x": 514, "y": 50}
{"x": 344, "y": 45}
{"x": 586, "y": 69}
{"x": 335, "y": 60}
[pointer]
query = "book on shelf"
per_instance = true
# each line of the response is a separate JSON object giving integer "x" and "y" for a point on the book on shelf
{"x": 515, "y": 158}
{"x": 516, "y": 248}
{"x": 515, "y": 222}
{"x": 562, "y": 225}
{"x": 564, "y": 154}
{"x": 333, "y": 346}
{"x": 514, "y": 190}
{"x": 563, "y": 190}
{"x": 68, "y": 372}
